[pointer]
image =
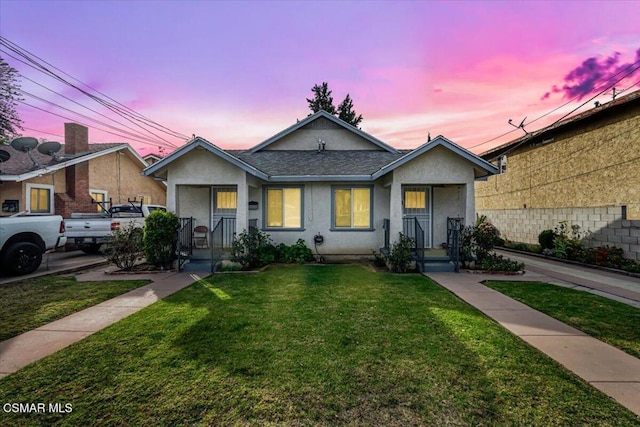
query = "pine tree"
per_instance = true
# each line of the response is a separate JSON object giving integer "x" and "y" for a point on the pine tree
{"x": 10, "y": 122}
{"x": 322, "y": 99}
{"x": 347, "y": 114}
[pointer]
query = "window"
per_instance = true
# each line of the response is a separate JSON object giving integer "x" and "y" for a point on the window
{"x": 283, "y": 207}
{"x": 226, "y": 199}
{"x": 415, "y": 199}
{"x": 40, "y": 198}
{"x": 352, "y": 208}
{"x": 100, "y": 196}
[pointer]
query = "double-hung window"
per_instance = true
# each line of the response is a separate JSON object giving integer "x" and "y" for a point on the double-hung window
{"x": 283, "y": 208}
{"x": 352, "y": 208}
{"x": 100, "y": 197}
{"x": 40, "y": 198}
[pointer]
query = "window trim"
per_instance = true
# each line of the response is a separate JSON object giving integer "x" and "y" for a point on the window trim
{"x": 333, "y": 207}
{"x": 265, "y": 207}
{"x": 104, "y": 193}
{"x": 51, "y": 189}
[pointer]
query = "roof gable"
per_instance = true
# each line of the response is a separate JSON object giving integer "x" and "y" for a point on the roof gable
{"x": 20, "y": 167}
{"x": 199, "y": 142}
{"x": 439, "y": 141}
{"x": 326, "y": 121}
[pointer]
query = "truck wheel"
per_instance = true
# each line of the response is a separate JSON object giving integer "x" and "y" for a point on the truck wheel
{"x": 22, "y": 258}
{"x": 91, "y": 249}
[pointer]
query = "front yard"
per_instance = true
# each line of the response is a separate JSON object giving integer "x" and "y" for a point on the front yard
{"x": 31, "y": 303}
{"x": 308, "y": 345}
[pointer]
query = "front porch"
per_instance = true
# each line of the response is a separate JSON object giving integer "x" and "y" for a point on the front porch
{"x": 441, "y": 259}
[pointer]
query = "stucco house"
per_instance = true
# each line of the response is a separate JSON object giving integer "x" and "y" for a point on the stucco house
{"x": 584, "y": 170}
{"x": 324, "y": 177}
{"x": 66, "y": 182}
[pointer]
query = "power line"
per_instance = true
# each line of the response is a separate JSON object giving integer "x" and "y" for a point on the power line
{"x": 84, "y": 124}
{"x": 119, "y": 109}
{"x": 570, "y": 101}
{"x": 85, "y": 116}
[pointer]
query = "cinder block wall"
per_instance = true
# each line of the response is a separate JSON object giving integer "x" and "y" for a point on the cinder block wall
{"x": 604, "y": 224}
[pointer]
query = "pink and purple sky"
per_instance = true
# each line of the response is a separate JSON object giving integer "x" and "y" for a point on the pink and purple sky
{"x": 236, "y": 73}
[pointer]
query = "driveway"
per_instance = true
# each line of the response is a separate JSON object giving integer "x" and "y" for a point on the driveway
{"x": 60, "y": 262}
{"x": 611, "y": 285}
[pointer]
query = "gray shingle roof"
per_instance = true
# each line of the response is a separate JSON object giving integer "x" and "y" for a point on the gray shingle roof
{"x": 301, "y": 163}
{"x": 20, "y": 162}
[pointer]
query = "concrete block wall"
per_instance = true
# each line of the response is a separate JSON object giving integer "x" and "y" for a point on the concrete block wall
{"x": 604, "y": 224}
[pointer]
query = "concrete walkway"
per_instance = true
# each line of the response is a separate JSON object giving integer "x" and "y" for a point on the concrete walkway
{"x": 608, "y": 369}
{"x": 19, "y": 351}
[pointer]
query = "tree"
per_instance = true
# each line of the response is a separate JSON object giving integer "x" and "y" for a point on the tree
{"x": 322, "y": 99}
{"x": 10, "y": 122}
{"x": 347, "y": 114}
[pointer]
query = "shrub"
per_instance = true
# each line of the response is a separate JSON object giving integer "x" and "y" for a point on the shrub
{"x": 494, "y": 262}
{"x": 400, "y": 257}
{"x": 545, "y": 238}
{"x": 124, "y": 248}
{"x": 298, "y": 253}
{"x": 253, "y": 249}
{"x": 567, "y": 241}
{"x": 160, "y": 238}
{"x": 486, "y": 237}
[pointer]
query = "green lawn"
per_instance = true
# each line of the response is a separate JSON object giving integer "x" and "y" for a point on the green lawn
{"x": 31, "y": 303}
{"x": 308, "y": 345}
{"x": 610, "y": 321}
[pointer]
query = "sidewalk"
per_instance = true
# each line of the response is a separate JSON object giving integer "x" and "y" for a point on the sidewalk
{"x": 19, "y": 351}
{"x": 606, "y": 368}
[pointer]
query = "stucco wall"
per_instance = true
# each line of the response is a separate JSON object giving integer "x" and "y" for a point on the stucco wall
{"x": 119, "y": 175}
{"x": 335, "y": 139}
{"x": 593, "y": 166}
{"x": 604, "y": 224}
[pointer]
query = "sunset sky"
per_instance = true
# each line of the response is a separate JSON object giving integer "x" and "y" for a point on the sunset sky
{"x": 236, "y": 73}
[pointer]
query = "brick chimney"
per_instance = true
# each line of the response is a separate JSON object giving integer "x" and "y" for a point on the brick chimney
{"x": 77, "y": 198}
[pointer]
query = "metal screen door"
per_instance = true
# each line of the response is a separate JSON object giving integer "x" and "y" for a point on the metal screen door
{"x": 416, "y": 203}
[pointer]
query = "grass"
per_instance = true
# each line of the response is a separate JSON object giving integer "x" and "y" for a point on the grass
{"x": 610, "y": 321}
{"x": 31, "y": 303}
{"x": 308, "y": 345}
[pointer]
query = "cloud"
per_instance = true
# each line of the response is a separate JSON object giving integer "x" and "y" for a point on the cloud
{"x": 592, "y": 73}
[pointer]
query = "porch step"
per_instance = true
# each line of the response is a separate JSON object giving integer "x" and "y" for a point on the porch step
{"x": 197, "y": 265}
{"x": 437, "y": 266}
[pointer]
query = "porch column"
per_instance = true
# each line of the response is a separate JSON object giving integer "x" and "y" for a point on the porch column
{"x": 395, "y": 211}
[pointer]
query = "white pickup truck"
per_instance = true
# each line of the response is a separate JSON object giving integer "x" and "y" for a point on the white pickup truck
{"x": 23, "y": 240}
{"x": 89, "y": 231}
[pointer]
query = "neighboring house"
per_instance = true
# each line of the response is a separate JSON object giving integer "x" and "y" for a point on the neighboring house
{"x": 584, "y": 170}
{"x": 324, "y": 177}
{"x": 80, "y": 171}
{"x": 151, "y": 158}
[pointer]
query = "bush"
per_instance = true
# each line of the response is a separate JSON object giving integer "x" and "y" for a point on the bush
{"x": 567, "y": 242}
{"x": 124, "y": 248}
{"x": 298, "y": 253}
{"x": 494, "y": 262}
{"x": 400, "y": 257}
{"x": 253, "y": 249}
{"x": 476, "y": 242}
{"x": 545, "y": 238}
{"x": 160, "y": 238}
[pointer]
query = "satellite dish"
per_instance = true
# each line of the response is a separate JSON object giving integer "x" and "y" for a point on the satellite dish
{"x": 4, "y": 156}
{"x": 24, "y": 143}
{"x": 49, "y": 148}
